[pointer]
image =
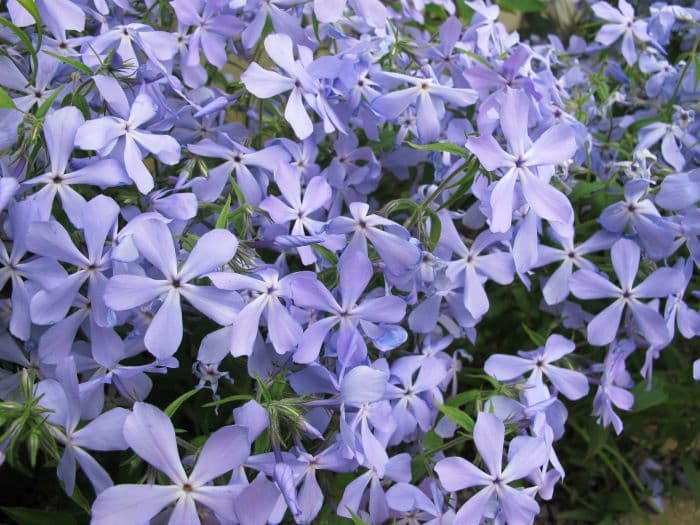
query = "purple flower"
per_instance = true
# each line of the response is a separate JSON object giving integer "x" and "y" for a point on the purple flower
{"x": 60, "y": 129}
{"x": 414, "y": 399}
{"x": 58, "y": 15}
{"x": 622, "y": 24}
{"x": 121, "y": 136}
{"x": 373, "y": 315}
{"x": 212, "y": 29}
{"x": 240, "y": 161}
{"x": 398, "y": 468}
{"x": 641, "y": 216}
{"x": 154, "y": 241}
{"x": 18, "y": 269}
{"x": 399, "y": 255}
{"x": 572, "y": 384}
{"x": 587, "y": 284}
{"x": 525, "y": 161}
{"x": 62, "y": 397}
{"x": 474, "y": 266}
{"x": 36, "y": 90}
{"x": 612, "y": 392}
{"x": 50, "y": 239}
{"x": 428, "y": 96}
{"x": 456, "y": 474}
{"x": 373, "y": 12}
{"x": 267, "y": 290}
{"x": 300, "y": 79}
{"x": 557, "y": 288}
{"x": 151, "y": 435}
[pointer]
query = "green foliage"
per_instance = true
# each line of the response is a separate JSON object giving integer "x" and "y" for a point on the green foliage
{"x": 26, "y": 516}
{"x": 463, "y": 419}
{"x": 526, "y": 6}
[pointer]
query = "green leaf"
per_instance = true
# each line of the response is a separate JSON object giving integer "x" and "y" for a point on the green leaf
{"x": 464, "y": 11}
{"x": 175, "y": 405}
{"x": 229, "y": 399}
{"x": 527, "y": 6}
{"x": 44, "y": 108}
{"x": 463, "y": 398}
{"x": 692, "y": 476}
{"x": 445, "y": 147}
{"x": 31, "y": 8}
{"x": 77, "y": 100}
{"x": 644, "y": 399}
{"x": 325, "y": 253}
{"x": 25, "y": 516}
{"x": 435, "y": 229}
{"x": 222, "y": 220}
{"x": 584, "y": 189}
{"x": 536, "y": 338}
{"x": 355, "y": 518}
{"x": 71, "y": 62}
{"x": 463, "y": 419}
{"x": 19, "y": 33}
{"x": 5, "y": 100}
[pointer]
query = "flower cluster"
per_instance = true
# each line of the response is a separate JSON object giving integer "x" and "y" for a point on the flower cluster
{"x": 322, "y": 207}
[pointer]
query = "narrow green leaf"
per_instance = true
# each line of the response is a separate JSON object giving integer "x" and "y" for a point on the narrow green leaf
{"x": 463, "y": 398}
{"x": 463, "y": 419}
{"x": 356, "y": 519}
{"x": 325, "y": 253}
{"x": 5, "y": 100}
{"x": 20, "y": 34}
{"x": 222, "y": 220}
{"x": 435, "y": 229}
{"x": 44, "y": 108}
{"x": 71, "y": 62}
{"x": 77, "y": 100}
{"x": 237, "y": 190}
{"x": 175, "y": 405}
{"x": 445, "y": 147}
{"x": 229, "y": 399}
{"x": 25, "y": 516}
{"x": 536, "y": 338}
